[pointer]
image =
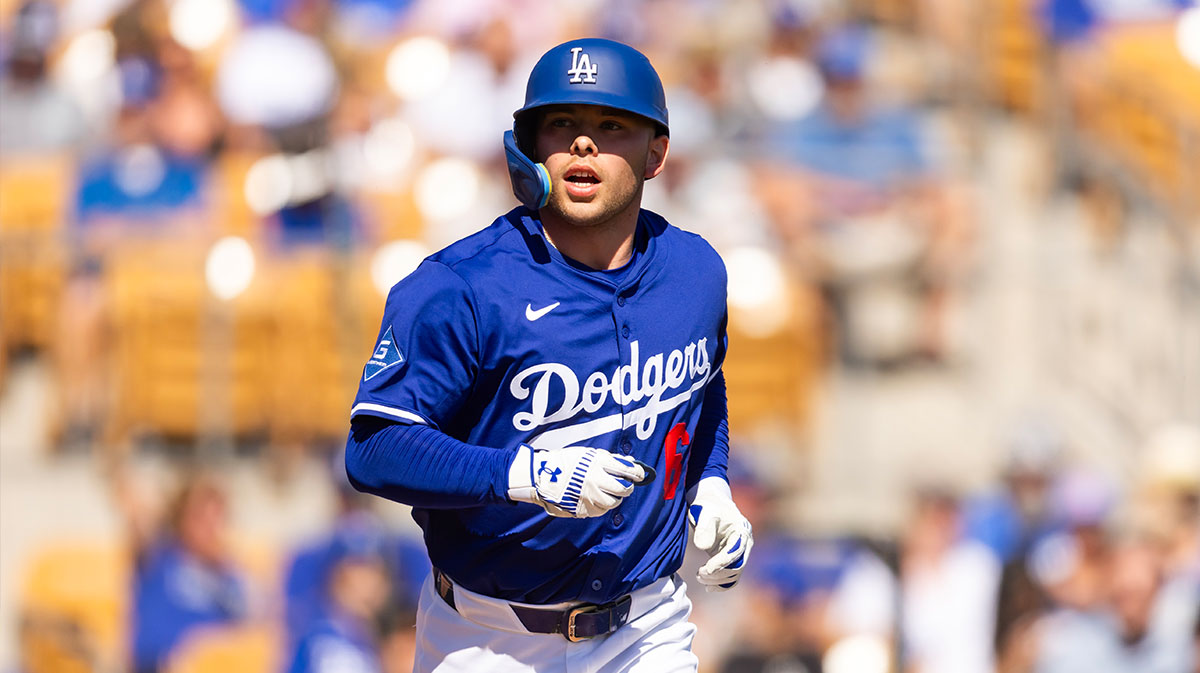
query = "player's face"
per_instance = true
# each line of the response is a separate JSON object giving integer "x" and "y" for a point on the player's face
{"x": 598, "y": 158}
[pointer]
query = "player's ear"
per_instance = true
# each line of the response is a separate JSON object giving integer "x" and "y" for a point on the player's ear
{"x": 656, "y": 158}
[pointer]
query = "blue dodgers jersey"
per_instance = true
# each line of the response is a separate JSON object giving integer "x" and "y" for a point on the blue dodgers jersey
{"x": 497, "y": 340}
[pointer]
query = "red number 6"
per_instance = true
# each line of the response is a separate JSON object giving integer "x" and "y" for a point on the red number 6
{"x": 677, "y": 437}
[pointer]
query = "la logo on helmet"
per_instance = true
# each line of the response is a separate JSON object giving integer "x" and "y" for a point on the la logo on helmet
{"x": 582, "y": 71}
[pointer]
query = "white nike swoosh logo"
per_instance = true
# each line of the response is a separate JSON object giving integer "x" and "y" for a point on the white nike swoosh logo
{"x": 532, "y": 315}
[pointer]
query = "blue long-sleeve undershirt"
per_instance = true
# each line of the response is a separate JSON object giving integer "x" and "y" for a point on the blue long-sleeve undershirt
{"x": 420, "y": 466}
{"x": 710, "y": 450}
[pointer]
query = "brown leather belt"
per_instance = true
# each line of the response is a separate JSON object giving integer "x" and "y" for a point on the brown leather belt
{"x": 579, "y": 622}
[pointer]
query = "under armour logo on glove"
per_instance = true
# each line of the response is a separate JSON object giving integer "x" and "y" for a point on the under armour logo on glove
{"x": 553, "y": 474}
{"x": 596, "y": 480}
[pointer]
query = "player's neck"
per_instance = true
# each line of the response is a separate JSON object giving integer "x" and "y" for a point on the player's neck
{"x": 607, "y": 245}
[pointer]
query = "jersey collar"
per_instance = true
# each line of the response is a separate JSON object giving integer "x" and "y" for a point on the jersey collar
{"x": 649, "y": 232}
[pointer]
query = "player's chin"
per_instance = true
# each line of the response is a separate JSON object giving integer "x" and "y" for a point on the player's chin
{"x": 580, "y": 212}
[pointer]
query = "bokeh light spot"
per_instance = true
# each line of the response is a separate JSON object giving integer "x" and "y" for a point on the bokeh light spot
{"x": 229, "y": 267}
{"x": 417, "y": 67}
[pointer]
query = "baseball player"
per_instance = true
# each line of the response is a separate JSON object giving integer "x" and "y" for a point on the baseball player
{"x": 547, "y": 395}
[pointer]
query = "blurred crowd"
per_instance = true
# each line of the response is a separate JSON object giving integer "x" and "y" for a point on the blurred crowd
{"x": 1056, "y": 569}
{"x": 203, "y": 195}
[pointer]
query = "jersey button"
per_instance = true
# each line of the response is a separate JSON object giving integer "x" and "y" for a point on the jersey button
{"x": 626, "y": 446}
{"x": 625, "y": 331}
{"x": 618, "y": 519}
{"x": 597, "y": 585}
{"x": 620, "y": 300}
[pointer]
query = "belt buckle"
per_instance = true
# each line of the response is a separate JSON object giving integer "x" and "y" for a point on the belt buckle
{"x": 587, "y": 608}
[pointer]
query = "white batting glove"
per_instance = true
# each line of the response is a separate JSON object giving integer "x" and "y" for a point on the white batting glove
{"x": 720, "y": 531}
{"x": 576, "y": 481}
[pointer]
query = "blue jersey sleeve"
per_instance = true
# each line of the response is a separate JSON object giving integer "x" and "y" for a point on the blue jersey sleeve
{"x": 426, "y": 358}
{"x": 424, "y": 467}
{"x": 710, "y": 450}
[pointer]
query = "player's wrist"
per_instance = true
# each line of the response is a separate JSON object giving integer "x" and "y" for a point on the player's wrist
{"x": 709, "y": 489}
{"x": 521, "y": 487}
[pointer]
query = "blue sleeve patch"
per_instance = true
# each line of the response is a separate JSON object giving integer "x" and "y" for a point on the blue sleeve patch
{"x": 387, "y": 355}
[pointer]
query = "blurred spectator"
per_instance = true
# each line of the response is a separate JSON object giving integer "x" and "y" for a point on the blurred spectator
{"x": 857, "y": 200}
{"x": 398, "y": 642}
{"x": 369, "y": 23}
{"x": 158, "y": 163}
{"x": 1170, "y": 493}
{"x": 310, "y": 572}
{"x": 736, "y": 623}
{"x": 279, "y": 86}
{"x": 945, "y": 599}
{"x": 35, "y": 117}
{"x": 1012, "y": 520}
{"x": 1124, "y": 635}
{"x": 137, "y": 181}
{"x": 789, "y": 589}
{"x": 949, "y": 590}
{"x": 1009, "y": 521}
{"x": 279, "y": 78}
{"x": 1069, "y": 563}
{"x": 472, "y": 101}
{"x": 1170, "y": 483}
{"x": 1065, "y": 569}
{"x": 356, "y": 590}
{"x": 1196, "y": 642}
{"x": 184, "y": 574}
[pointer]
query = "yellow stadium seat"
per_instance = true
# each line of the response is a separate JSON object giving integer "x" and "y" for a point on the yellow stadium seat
{"x": 314, "y": 324}
{"x": 34, "y": 194}
{"x": 254, "y": 648}
{"x": 85, "y": 582}
{"x": 159, "y": 302}
{"x": 772, "y": 379}
{"x": 1012, "y": 53}
{"x": 54, "y": 644}
{"x": 1159, "y": 114}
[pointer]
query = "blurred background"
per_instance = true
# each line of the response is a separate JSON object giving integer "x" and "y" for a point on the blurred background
{"x": 964, "y": 289}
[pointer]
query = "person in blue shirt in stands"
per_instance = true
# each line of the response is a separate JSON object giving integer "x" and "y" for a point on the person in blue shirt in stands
{"x": 184, "y": 577}
{"x": 345, "y": 637}
{"x": 867, "y": 214}
{"x": 159, "y": 163}
{"x": 311, "y": 564}
{"x": 849, "y": 136}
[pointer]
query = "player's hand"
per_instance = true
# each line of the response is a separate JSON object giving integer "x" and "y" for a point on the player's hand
{"x": 576, "y": 481}
{"x": 720, "y": 531}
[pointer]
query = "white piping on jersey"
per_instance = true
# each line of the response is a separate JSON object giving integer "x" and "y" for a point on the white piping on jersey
{"x": 645, "y": 418}
{"x": 390, "y": 411}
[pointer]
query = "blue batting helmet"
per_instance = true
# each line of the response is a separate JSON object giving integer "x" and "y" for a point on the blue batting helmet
{"x": 595, "y": 71}
{"x": 589, "y": 71}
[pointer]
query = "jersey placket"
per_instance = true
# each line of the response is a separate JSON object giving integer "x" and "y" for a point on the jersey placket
{"x": 622, "y": 320}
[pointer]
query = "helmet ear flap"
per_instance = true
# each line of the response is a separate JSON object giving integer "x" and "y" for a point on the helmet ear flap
{"x": 530, "y": 180}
